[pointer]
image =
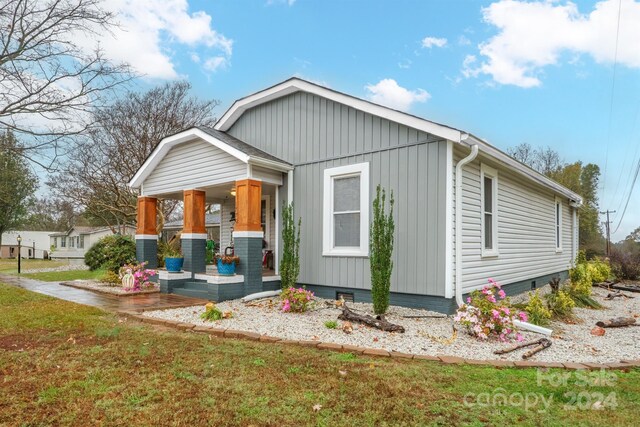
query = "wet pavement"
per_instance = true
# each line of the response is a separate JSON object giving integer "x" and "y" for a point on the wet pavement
{"x": 108, "y": 302}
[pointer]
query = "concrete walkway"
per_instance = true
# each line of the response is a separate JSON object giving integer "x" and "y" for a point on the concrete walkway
{"x": 108, "y": 302}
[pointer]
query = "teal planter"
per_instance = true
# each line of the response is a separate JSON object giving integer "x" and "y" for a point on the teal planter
{"x": 226, "y": 269}
{"x": 173, "y": 265}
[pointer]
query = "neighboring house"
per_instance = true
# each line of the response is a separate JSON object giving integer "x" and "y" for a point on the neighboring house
{"x": 73, "y": 244}
{"x": 464, "y": 210}
{"x": 34, "y": 244}
{"x": 212, "y": 224}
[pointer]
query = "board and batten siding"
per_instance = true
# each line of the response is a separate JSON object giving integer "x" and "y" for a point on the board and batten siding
{"x": 192, "y": 164}
{"x": 526, "y": 229}
{"x": 314, "y": 134}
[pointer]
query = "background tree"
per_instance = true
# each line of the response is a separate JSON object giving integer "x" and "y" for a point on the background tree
{"x": 49, "y": 76}
{"x": 95, "y": 174}
{"x": 290, "y": 262}
{"x": 381, "y": 252}
{"x": 47, "y": 214}
{"x": 17, "y": 184}
{"x": 579, "y": 178}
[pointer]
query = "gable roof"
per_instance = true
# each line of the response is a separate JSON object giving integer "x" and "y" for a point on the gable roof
{"x": 242, "y": 151}
{"x": 449, "y": 133}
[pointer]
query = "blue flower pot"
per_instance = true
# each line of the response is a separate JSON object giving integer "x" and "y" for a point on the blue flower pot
{"x": 173, "y": 265}
{"x": 226, "y": 269}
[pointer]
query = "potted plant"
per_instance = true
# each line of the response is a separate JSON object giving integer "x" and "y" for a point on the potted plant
{"x": 173, "y": 259}
{"x": 227, "y": 264}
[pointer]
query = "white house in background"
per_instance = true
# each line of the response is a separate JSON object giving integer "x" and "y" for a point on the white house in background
{"x": 73, "y": 244}
{"x": 35, "y": 244}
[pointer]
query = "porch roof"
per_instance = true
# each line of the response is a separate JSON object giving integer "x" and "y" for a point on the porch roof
{"x": 241, "y": 150}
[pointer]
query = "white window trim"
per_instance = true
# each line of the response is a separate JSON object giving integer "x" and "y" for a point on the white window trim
{"x": 267, "y": 220}
{"x": 557, "y": 224}
{"x": 493, "y": 174}
{"x": 330, "y": 174}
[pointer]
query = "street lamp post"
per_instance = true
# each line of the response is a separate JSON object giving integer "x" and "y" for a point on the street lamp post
{"x": 19, "y": 239}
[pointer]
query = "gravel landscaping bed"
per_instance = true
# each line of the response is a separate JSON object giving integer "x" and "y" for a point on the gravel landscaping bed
{"x": 106, "y": 288}
{"x": 430, "y": 336}
{"x": 68, "y": 267}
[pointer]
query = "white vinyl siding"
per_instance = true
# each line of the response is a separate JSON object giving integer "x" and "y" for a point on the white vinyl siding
{"x": 526, "y": 232}
{"x": 346, "y": 211}
{"x": 191, "y": 165}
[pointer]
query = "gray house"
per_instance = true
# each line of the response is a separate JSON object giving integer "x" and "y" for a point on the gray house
{"x": 465, "y": 211}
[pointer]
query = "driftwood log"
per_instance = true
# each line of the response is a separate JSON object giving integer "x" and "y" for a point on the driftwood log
{"x": 618, "y": 322}
{"x": 617, "y": 294}
{"x": 540, "y": 344}
{"x": 544, "y": 343}
{"x": 378, "y": 322}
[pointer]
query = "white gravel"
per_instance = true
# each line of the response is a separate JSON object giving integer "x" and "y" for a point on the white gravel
{"x": 67, "y": 267}
{"x": 107, "y": 288}
{"x": 571, "y": 343}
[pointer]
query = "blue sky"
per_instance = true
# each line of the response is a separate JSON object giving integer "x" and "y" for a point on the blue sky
{"x": 507, "y": 71}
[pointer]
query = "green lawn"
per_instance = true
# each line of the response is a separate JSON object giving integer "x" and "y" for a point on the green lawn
{"x": 59, "y": 276}
{"x": 66, "y": 364}
{"x": 10, "y": 266}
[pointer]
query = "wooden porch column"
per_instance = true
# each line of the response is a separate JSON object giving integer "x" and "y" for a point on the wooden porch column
{"x": 194, "y": 216}
{"x": 248, "y": 205}
{"x": 194, "y": 232}
{"x": 146, "y": 231}
{"x": 248, "y": 234}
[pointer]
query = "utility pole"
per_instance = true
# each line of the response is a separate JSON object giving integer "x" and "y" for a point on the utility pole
{"x": 607, "y": 225}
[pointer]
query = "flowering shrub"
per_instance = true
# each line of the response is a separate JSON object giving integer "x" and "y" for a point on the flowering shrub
{"x": 296, "y": 300}
{"x": 539, "y": 314}
{"x": 488, "y": 314}
{"x": 560, "y": 303}
{"x": 141, "y": 275}
{"x": 211, "y": 312}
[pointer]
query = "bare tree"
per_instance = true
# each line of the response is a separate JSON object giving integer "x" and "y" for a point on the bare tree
{"x": 50, "y": 76}
{"x": 524, "y": 153}
{"x": 545, "y": 160}
{"x": 97, "y": 170}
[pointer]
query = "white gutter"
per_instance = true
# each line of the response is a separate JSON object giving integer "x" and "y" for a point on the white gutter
{"x": 458, "y": 282}
{"x": 459, "y": 166}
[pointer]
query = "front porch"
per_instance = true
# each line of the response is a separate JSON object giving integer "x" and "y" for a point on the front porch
{"x": 248, "y": 190}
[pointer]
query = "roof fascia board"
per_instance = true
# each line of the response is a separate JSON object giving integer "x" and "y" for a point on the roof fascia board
{"x": 294, "y": 85}
{"x": 515, "y": 165}
{"x": 259, "y": 161}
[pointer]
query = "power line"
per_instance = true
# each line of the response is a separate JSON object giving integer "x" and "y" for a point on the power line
{"x": 633, "y": 183}
{"x": 608, "y": 226}
{"x": 613, "y": 86}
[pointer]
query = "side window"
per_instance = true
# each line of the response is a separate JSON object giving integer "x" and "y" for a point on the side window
{"x": 489, "y": 210}
{"x": 346, "y": 211}
{"x": 558, "y": 224}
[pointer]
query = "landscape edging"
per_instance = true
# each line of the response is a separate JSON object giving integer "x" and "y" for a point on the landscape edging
{"x": 378, "y": 352}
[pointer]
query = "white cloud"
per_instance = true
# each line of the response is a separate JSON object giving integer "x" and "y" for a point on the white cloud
{"x": 430, "y": 42}
{"x": 388, "y": 92}
{"x": 287, "y": 2}
{"x": 533, "y": 35}
{"x": 215, "y": 63}
{"x": 150, "y": 30}
{"x": 405, "y": 63}
{"x": 463, "y": 41}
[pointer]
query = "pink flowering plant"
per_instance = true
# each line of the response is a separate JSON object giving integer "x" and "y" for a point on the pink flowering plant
{"x": 296, "y": 300}
{"x": 488, "y": 313}
{"x": 141, "y": 276}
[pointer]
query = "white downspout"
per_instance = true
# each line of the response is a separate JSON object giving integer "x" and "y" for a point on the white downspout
{"x": 459, "y": 166}
{"x": 458, "y": 282}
